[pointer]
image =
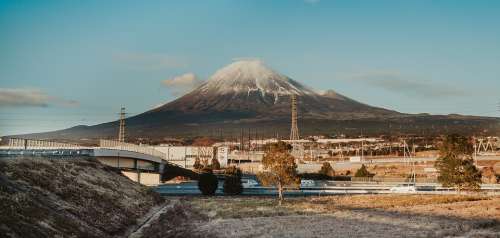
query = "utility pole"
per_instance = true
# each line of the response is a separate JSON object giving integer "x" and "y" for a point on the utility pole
{"x": 249, "y": 139}
{"x": 241, "y": 139}
{"x": 121, "y": 132}
{"x": 362, "y": 145}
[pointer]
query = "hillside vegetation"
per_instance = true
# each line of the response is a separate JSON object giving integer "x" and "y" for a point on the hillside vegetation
{"x": 42, "y": 197}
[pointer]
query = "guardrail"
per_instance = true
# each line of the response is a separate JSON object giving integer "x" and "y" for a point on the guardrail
{"x": 112, "y": 144}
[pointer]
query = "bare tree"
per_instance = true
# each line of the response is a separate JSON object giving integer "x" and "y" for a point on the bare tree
{"x": 281, "y": 170}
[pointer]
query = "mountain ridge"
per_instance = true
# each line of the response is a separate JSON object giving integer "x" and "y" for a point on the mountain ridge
{"x": 249, "y": 94}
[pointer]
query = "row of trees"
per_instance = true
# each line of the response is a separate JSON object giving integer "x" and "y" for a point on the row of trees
{"x": 455, "y": 166}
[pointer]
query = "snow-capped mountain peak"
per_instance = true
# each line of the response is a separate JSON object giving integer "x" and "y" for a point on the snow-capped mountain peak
{"x": 251, "y": 89}
{"x": 250, "y": 76}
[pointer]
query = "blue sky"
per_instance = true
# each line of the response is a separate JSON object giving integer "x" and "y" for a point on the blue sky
{"x": 65, "y": 63}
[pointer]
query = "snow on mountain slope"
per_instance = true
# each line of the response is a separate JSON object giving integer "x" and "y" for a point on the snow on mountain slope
{"x": 248, "y": 76}
{"x": 332, "y": 94}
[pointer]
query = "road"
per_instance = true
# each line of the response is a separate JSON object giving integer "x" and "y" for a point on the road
{"x": 321, "y": 188}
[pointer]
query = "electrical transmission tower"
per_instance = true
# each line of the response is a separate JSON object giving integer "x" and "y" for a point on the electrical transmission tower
{"x": 298, "y": 149}
{"x": 294, "y": 131}
{"x": 121, "y": 132}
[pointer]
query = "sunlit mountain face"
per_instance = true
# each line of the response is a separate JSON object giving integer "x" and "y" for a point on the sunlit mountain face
{"x": 254, "y": 91}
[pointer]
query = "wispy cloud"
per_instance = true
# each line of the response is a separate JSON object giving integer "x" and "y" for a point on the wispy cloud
{"x": 21, "y": 97}
{"x": 182, "y": 84}
{"x": 397, "y": 83}
{"x": 149, "y": 61}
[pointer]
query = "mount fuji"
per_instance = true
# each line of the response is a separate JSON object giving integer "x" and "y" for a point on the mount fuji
{"x": 248, "y": 95}
{"x": 251, "y": 91}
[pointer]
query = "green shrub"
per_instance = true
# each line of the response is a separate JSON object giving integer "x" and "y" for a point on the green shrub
{"x": 363, "y": 172}
{"x": 208, "y": 183}
{"x": 215, "y": 163}
{"x": 232, "y": 182}
{"x": 456, "y": 165}
{"x": 327, "y": 169}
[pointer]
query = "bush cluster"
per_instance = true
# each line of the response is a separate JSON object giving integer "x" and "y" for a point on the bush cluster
{"x": 327, "y": 169}
{"x": 232, "y": 182}
{"x": 207, "y": 183}
{"x": 363, "y": 172}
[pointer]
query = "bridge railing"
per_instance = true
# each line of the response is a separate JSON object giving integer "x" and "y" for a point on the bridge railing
{"x": 30, "y": 144}
{"x": 112, "y": 144}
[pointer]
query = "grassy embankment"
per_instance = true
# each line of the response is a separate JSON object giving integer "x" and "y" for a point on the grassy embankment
{"x": 40, "y": 197}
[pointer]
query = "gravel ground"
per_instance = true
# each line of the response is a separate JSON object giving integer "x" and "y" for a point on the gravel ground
{"x": 348, "y": 224}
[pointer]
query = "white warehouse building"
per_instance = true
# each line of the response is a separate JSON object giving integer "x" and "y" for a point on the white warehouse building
{"x": 185, "y": 156}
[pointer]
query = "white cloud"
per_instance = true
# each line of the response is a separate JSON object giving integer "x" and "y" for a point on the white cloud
{"x": 22, "y": 97}
{"x": 149, "y": 62}
{"x": 395, "y": 82}
{"x": 182, "y": 84}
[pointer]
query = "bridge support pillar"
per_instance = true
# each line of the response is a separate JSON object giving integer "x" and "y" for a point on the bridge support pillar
{"x": 136, "y": 166}
{"x": 161, "y": 168}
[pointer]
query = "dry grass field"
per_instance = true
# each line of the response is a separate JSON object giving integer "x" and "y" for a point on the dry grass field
{"x": 342, "y": 216}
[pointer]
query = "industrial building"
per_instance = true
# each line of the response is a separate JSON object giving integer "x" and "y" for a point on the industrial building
{"x": 185, "y": 156}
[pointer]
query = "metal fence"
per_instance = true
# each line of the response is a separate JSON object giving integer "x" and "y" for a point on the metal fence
{"x": 30, "y": 144}
{"x": 112, "y": 144}
{"x": 392, "y": 179}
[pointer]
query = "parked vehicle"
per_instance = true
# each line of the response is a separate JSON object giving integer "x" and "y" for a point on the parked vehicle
{"x": 307, "y": 183}
{"x": 404, "y": 188}
{"x": 248, "y": 183}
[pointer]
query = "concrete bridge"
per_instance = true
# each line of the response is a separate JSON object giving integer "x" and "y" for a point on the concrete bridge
{"x": 140, "y": 163}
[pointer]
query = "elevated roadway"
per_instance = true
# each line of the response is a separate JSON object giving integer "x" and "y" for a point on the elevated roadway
{"x": 132, "y": 159}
